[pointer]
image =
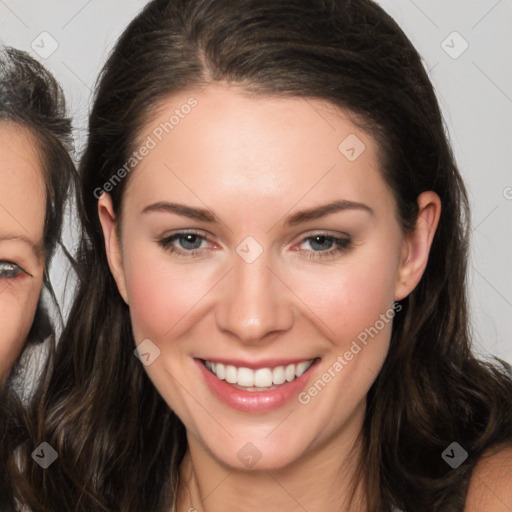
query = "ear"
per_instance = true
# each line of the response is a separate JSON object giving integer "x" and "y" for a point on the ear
{"x": 112, "y": 243}
{"x": 417, "y": 244}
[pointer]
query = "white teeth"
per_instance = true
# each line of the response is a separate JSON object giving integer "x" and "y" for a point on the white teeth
{"x": 302, "y": 367}
{"x": 245, "y": 377}
{"x": 263, "y": 378}
{"x": 260, "y": 378}
{"x": 220, "y": 371}
{"x": 230, "y": 374}
{"x": 289, "y": 372}
{"x": 278, "y": 376}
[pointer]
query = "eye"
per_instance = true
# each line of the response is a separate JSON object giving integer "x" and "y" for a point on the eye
{"x": 189, "y": 243}
{"x": 324, "y": 245}
{"x": 10, "y": 270}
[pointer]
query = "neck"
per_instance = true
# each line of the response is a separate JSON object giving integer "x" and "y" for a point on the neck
{"x": 324, "y": 479}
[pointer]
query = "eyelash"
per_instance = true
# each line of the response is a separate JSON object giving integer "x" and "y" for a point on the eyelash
{"x": 340, "y": 245}
{"x": 11, "y": 266}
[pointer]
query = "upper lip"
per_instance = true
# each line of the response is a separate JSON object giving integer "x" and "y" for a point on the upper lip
{"x": 255, "y": 365}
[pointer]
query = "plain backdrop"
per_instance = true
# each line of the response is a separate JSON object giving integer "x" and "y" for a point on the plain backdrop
{"x": 466, "y": 49}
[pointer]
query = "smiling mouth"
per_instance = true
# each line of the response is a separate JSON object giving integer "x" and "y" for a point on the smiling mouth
{"x": 262, "y": 379}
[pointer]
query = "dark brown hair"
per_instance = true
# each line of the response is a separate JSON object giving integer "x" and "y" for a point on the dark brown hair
{"x": 31, "y": 98}
{"x": 119, "y": 444}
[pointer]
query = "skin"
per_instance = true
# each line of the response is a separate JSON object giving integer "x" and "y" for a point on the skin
{"x": 254, "y": 161}
{"x": 22, "y": 211}
{"x": 490, "y": 488}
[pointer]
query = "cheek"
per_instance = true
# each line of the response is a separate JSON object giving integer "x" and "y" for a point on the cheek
{"x": 17, "y": 309}
{"x": 351, "y": 297}
{"x": 160, "y": 295}
{"x": 347, "y": 299}
{"x": 356, "y": 305}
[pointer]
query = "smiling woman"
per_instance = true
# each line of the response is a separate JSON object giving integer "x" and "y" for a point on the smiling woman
{"x": 35, "y": 173}
{"x": 303, "y": 227}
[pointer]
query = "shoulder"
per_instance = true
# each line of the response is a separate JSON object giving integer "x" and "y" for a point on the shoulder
{"x": 490, "y": 487}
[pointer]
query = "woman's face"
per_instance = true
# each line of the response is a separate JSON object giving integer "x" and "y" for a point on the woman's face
{"x": 259, "y": 239}
{"x": 22, "y": 212}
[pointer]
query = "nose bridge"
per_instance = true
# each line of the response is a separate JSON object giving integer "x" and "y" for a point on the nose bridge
{"x": 254, "y": 302}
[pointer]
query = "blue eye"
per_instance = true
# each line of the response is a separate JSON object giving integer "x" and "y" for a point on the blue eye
{"x": 326, "y": 245}
{"x": 190, "y": 243}
{"x": 10, "y": 270}
{"x": 187, "y": 244}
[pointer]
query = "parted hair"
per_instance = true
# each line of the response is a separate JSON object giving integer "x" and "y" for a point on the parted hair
{"x": 120, "y": 446}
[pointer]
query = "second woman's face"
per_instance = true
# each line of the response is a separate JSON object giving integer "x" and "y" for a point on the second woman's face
{"x": 22, "y": 212}
{"x": 260, "y": 256}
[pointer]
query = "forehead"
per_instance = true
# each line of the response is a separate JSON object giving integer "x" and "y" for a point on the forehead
{"x": 273, "y": 148}
{"x": 22, "y": 188}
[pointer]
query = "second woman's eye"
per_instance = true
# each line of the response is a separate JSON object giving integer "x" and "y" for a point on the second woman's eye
{"x": 10, "y": 270}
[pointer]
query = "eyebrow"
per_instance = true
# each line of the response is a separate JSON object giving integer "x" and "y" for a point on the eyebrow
{"x": 326, "y": 209}
{"x": 182, "y": 210}
{"x": 37, "y": 249}
{"x": 299, "y": 217}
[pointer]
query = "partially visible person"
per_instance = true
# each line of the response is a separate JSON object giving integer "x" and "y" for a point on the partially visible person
{"x": 36, "y": 173}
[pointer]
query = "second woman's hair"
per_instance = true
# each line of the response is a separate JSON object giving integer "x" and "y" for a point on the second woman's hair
{"x": 33, "y": 101}
{"x": 31, "y": 98}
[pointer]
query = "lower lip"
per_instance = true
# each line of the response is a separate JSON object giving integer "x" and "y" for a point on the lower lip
{"x": 254, "y": 401}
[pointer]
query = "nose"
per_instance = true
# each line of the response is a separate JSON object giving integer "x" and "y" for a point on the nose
{"x": 254, "y": 303}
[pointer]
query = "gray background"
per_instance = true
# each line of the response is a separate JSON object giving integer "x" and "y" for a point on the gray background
{"x": 473, "y": 84}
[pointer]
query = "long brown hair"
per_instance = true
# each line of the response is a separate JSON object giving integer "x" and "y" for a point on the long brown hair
{"x": 119, "y": 444}
{"x": 31, "y": 98}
